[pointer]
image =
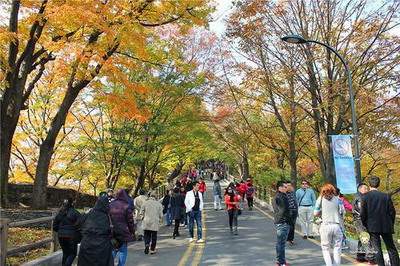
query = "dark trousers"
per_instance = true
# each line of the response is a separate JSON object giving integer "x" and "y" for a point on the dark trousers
{"x": 69, "y": 248}
{"x": 292, "y": 224}
{"x": 391, "y": 248}
{"x": 176, "y": 226}
{"x": 233, "y": 217}
{"x": 150, "y": 239}
{"x": 250, "y": 202}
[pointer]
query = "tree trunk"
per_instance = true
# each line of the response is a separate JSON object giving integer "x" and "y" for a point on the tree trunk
{"x": 47, "y": 149}
{"x": 140, "y": 179}
{"x": 293, "y": 162}
{"x": 245, "y": 166}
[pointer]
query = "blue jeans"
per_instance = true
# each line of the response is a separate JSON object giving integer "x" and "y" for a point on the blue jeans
{"x": 168, "y": 217}
{"x": 195, "y": 215}
{"x": 123, "y": 253}
{"x": 282, "y": 231}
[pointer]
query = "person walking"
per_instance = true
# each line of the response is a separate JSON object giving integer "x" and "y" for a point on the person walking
{"x": 250, "y": 191}
{"x": 217, "y": 195}
{"x": 331, "y": 210}
{"x": 202, "y": 186}
{"x": 194, "y": 206}
{"x": 138, "y": 203}
{"x": 293, "y": 209}
{"x": 66, "y": 225}
{"x": 122, "y": 218}
{"x": 96, "y": 248}
{"x": 232, "y": 200}
{"x": 152, "y": 215}
{"x": 166, "y": 202}
{"x": 364, "y": 250}
{"x": 378, "y": 216}
{"x": 282, "y": 221}
{"x": 305, "y": 197}
{"x": 177, "y": 210}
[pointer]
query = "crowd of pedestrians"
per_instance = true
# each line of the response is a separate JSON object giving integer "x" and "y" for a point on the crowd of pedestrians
{"x": 106, "y": 230}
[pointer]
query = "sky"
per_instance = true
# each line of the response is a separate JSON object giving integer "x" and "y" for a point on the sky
{"x": 223, "y": 9}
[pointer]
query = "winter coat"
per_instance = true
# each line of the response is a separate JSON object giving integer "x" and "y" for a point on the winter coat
{"x": 202, "y": 187}
{"x": 152, "y": 214}
{"x": 166, "y": 203}
{"x": 357, "y": 213}
{"x": 66, "y": 223}
{"x": 229, "y": 203}
{"x": 96, "y": 248}
{"x": 138, "y": 202}
{"x": 177, "y": 201}
{"x": 122, "y": 217}
{"x": 217, "y": 189}
{"x": 190, "y": 201}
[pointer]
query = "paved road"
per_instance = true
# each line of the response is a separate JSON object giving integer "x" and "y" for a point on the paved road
{"x": 255, "y": 244}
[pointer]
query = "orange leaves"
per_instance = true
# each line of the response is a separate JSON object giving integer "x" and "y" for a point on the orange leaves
{"x": 124, "y": 104}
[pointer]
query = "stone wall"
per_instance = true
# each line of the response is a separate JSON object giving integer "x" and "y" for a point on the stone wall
{"x": 22, "y": 193}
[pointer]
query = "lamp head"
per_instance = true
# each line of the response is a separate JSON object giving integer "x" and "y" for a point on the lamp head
{"x": 296, "y": 39}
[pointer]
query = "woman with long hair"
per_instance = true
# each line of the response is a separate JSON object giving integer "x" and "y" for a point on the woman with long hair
{"x": 331, "y": 210}
{"x": 232, "y": 200}
{"x": 66, "y": 225}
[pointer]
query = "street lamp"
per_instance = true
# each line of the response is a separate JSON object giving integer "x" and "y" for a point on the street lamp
{"x": 297, "y": 39}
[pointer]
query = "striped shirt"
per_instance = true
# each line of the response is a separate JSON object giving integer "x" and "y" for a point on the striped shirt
{"x": 292, "y": 200}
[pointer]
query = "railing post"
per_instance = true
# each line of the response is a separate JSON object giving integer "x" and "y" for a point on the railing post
{"x": 54, "y": 236}
{"x": 270, "y": 197}
{"x": 3, "y": 238}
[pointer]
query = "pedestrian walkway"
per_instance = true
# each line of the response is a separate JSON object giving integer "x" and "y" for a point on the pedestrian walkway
{"x": 255, "y": 244}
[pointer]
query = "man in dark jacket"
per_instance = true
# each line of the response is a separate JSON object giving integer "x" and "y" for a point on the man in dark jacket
{"x": 122, "y": 218}
{"x": 96, "y": 248}
{"x": 177, "y": 209}
{"x": 293, "y": 209}
{"x": 282, "y": 221}
{"x": 378, "y": 216}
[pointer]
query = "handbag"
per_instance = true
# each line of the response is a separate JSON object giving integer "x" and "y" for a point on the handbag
{"x": 239, "y": 212}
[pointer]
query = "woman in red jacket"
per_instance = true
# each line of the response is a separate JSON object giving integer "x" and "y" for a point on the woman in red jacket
{"x": 202, "y": 186}
{"x": 232, "y": 205}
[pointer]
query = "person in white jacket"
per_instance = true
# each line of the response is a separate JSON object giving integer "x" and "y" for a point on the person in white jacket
{"x": 194, "y": 206}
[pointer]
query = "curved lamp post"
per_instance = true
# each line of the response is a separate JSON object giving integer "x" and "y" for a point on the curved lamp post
{"x": 297, "y": 39}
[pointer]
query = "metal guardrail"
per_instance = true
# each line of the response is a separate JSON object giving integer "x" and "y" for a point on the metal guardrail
{"x": 5, "y": 224}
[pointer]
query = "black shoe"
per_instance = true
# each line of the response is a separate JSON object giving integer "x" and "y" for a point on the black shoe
{"x": 146, "y": 250}
{"x": 304, "y": 237}
{"x": 311, "y": 237}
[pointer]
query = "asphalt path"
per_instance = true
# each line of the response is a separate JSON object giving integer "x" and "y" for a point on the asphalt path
{"x": 254, "y": 245}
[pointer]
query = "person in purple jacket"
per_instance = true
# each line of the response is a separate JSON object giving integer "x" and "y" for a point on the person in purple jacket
{"x": 122, "y": 219}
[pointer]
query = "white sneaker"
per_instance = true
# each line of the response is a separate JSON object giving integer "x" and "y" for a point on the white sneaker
{"x": 191, "y": 240}
{"x": 200, "y": 241}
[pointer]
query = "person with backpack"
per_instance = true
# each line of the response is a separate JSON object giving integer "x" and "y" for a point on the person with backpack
{"x": 152, "y": 215}
{"x": 217, "y": 195}
{"x": 122, "y": 220}
{"x": 66, "y": 225}
{"x": 305, "y": 197}
{"x": 96, "y": 247}
{"x": 250, "y": 191}
{"x": 232, "y": 200}
{"x": 331, "y": 210}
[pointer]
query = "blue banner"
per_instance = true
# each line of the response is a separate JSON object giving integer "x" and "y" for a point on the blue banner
{"x": 344, "y": 164}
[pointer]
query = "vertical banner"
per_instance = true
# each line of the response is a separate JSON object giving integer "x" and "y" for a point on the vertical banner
{"x": 344, "y": 164}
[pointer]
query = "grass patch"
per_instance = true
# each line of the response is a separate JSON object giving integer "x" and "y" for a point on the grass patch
{"x": 19, "y": 236}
